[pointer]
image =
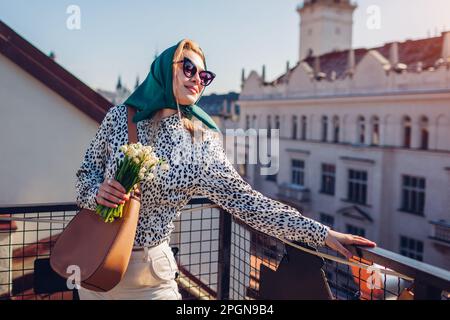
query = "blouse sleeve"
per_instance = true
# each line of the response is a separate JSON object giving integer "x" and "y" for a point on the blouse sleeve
{"x": 90, "y": 175}
{"x": 221, "y": 183}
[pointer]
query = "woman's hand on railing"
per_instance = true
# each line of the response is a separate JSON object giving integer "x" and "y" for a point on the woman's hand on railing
{"x": 335, "y": 240}
{"x": 111, "y": 193}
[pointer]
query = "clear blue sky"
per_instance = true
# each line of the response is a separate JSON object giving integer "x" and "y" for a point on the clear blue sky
{"x": 120, "y": 37}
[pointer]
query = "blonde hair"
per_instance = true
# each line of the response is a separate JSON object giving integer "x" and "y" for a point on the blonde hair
{"x": 186, "y": 44}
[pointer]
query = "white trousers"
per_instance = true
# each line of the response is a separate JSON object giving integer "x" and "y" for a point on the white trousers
{"x": 150, "y": 276}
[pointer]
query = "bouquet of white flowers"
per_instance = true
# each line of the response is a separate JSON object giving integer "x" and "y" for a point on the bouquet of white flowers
{"x": 138, "y": 164}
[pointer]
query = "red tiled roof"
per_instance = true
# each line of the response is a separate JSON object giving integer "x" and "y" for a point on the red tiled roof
{"x": 410, "y": 52}
{"x": 51, "y": 74}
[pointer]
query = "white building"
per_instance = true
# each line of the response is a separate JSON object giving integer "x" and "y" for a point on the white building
{"x": 364, "y": 134}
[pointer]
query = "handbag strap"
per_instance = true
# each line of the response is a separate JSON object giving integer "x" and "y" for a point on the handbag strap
{"x": 132, "y": 128}
{"x": 132, "y": 138}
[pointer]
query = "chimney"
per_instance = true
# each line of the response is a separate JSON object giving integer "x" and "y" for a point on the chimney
{"x": 351, "y": 62}
{"x": 287, "y": 66}
{"x": 52, "y": 55}
{"x": 446, "y": 45}
{"x": 316, "y": 65}
{"x": 242, "y": 76}
{"x": 419, "y": 67}
{"x": 263, "y": 76}
{"x": 318, "y": 75}
{"x": 393, "y": 54}
{"x": 333, "y": 75}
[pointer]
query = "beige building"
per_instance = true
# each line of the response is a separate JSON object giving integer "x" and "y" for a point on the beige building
{"x": 47, "y": 119}
{"x": 364, "y": 134}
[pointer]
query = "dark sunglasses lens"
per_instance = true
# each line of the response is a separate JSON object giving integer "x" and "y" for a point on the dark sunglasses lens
{"x": 189, "y": 68}
{"x": 206, "y": 77}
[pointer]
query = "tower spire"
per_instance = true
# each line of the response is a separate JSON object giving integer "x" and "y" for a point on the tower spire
{"x": 119, "y": 84}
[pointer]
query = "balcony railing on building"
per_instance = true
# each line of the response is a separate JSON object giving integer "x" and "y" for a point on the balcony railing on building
{"x": 220, "y": 257}
{"x": 440, "y": 232}
{"x": 294, "y": 192}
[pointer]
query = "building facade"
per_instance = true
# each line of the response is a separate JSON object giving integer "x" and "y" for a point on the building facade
{"x": 364, "y": 139}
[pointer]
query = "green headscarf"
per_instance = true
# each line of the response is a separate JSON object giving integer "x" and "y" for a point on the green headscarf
{"x": 156, "y": 92}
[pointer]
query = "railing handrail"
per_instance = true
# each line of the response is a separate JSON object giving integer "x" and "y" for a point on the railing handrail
{"x": 63, "y": 206}
{"x": 420, "y": 271}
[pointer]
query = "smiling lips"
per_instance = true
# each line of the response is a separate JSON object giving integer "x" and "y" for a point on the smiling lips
{"x": 192, "y": 89}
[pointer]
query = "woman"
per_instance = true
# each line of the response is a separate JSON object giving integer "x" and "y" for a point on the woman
{"x": 166, "y": 102}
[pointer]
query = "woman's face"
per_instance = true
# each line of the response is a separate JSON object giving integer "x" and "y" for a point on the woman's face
{"x": 187, "y": 91}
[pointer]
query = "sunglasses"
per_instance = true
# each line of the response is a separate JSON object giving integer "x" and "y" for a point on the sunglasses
{"x": 190, "y": 70}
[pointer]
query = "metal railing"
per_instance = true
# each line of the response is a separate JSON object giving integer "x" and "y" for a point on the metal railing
{"x": 220, "y": 257}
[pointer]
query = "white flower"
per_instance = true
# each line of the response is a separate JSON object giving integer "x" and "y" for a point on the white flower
{"x": 150, "y": 176}
{"x": 124, "y": 148}
{"x": 142, "y": 171}
{"x": 165, "y": 166}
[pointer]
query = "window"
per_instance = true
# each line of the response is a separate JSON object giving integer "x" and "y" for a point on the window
{"x": 277, "y": 122}
{"x": 424, "y": 134}
{"x": 294, "y": 127}
{"x": 247, "y": 122}
{"x": 413, "y": 194}
{"x": 357, "y": 186}
{"x": 269, "y": 125}
{"x": 335, "y": 129}
{"x": 355, "y": 230}
{"x": 254, "y": 124}
{"x": 407, "y": 132}
{"x": 304, "y": 127}
{"x": 324, "y": 128}
{"x": 327, "y": 220}
{"x": 298, "y": 172}
{"x": 375, "y": 131}
{"x": 328, "y": 178}
{"x": 361, "y": 130}
{"x": 411, "y": 248}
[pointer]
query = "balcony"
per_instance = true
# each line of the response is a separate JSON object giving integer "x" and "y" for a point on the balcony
{"x": 440, "y": 232}
{"x": 219, "y": 257}
{"x": 294, "y": 193}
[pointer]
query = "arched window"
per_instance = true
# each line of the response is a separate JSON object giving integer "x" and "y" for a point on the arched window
{"x": 324, "y": 128}
{"x": 424, "y": 133}
{"x": 361, "y": 130}
{"x": 269, "y": 125}
{"x": 294, "y": 127}
{"x": 304, "y": 127}
{"x": 254, "y": 124}
{"x": 406, "y": 132}
{"x": 375, "y": 140}
{"x": 335, "y": 129}
{"x": 247, "y": 122}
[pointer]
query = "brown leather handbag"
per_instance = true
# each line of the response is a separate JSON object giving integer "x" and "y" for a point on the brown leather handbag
{"x": 100, "y": 250}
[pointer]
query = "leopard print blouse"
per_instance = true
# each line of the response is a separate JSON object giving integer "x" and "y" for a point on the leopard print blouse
{"x": 198, "y": 167}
